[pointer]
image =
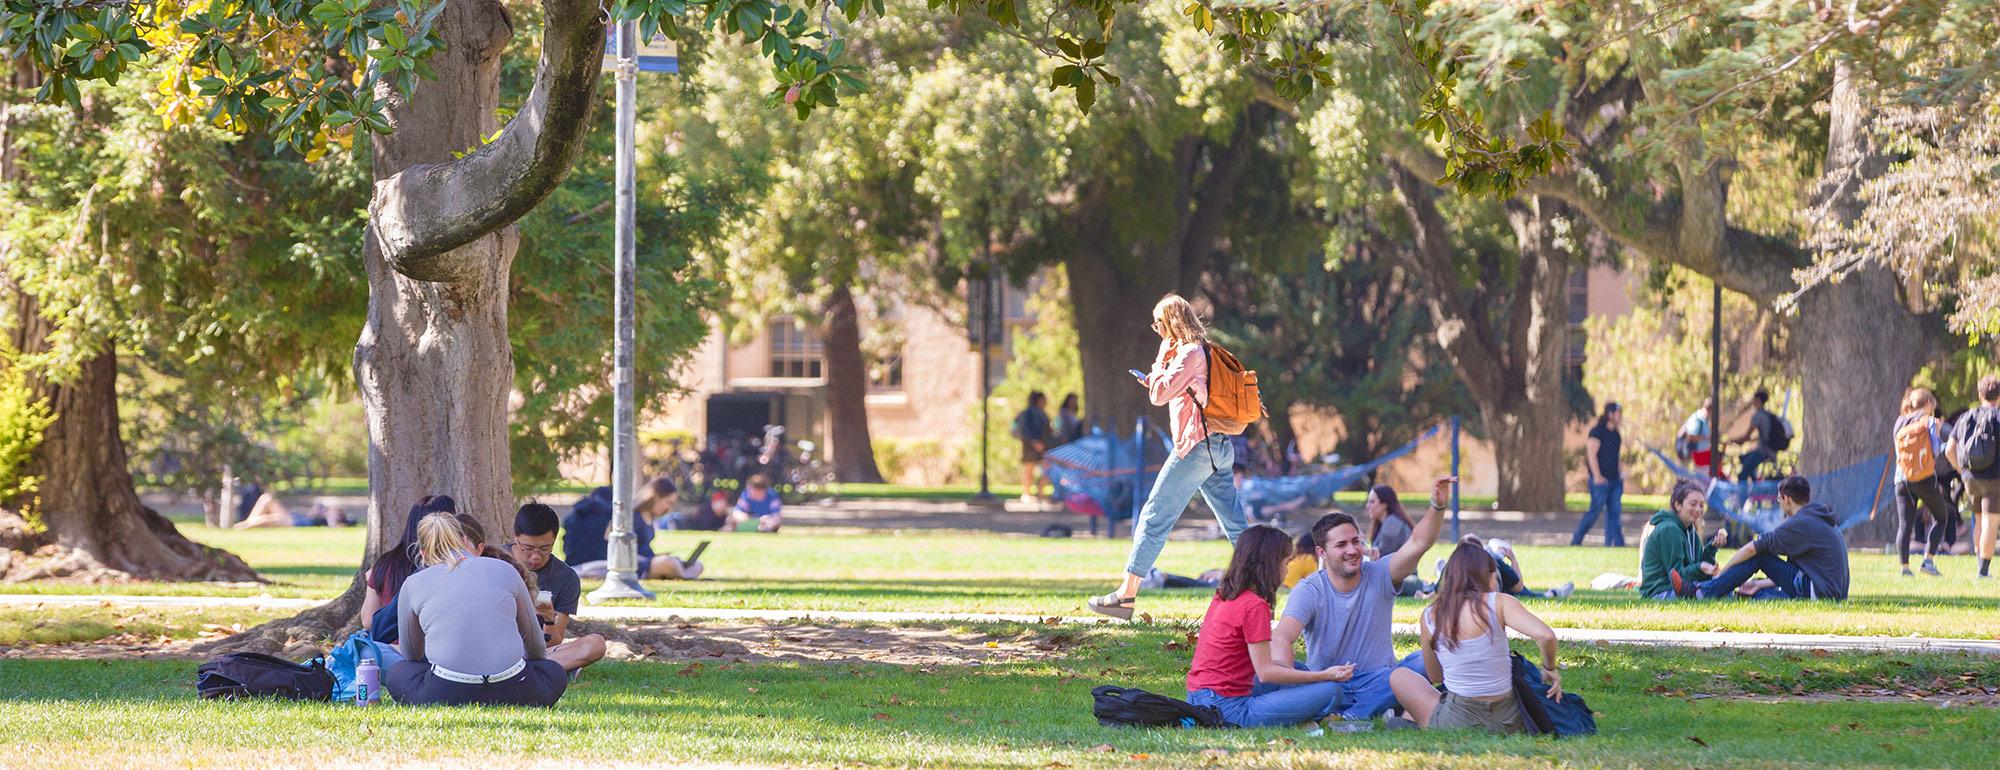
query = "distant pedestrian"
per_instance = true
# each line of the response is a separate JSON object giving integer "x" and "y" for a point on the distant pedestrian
{"x": 1607, "y": 480}
{"x": 1975, "y": 445}
{"x": 1919, "y": 441}
{"x": 1772, "y": 434}
{"x": 1695, "y": 444}
{"x": 1069, "y": 420}
{"x": 1032, "y": 427}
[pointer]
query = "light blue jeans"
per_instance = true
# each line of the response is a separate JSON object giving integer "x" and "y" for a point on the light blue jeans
{"x": 1272, "y": 705}
{"x": 1368, "y": 693}
{"x": 1206, "y": 467}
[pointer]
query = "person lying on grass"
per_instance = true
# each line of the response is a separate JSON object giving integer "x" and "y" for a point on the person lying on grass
{"x": 1463, "y": 638}
{"x": 1234, "y": 670}
{"x": 1804, "y": 557}
{"x": 1673, "y": 544}
{"x": 1343, "y": 610}
{"x": 452, "y": 615}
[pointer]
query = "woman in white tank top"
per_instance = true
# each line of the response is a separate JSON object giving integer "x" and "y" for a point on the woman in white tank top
{"x": 1464, "y": 642}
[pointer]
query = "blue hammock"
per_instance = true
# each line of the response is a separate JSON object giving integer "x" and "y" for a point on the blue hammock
{"x": 1110, "y": 472}
{"x": 1260, "y": 492}
{"x": 1855, "y": 493}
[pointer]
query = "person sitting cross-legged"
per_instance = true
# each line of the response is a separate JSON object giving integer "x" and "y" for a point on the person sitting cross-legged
{"x": 1463, "y": 638}
{"x": 468, "y": 630}
{"x": 534, "y": 547}
{"x": 1802, "y": 558}
{"x": 1674, "y": 545}
{"x": 1233, "y": 669}
{"x": 1344, "y": 609}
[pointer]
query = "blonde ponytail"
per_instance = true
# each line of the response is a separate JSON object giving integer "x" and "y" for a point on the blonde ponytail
{"x": 440, "y": 540}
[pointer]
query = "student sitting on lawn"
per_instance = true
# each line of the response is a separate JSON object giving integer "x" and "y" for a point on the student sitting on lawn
{"x": 1463, "y": 638}
{"x": 534, "y": 546}
{"x": 586, "y": 546}
{"x": 452, "y": 614}
{"x": 392, "y": 567}
{"x": 1304, "y": 561}
{"x": 1234, "y": 669}
{"x": 1507, "y": 567}
{"x": 1803, "y": 558}
{"x": 1674, "y": 546}
{"x": 758, "y": 503}
{"x": 1343, "y": 610}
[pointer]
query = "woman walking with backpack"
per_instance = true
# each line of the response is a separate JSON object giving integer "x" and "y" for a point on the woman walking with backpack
{"x": 1202, "y": 457}
{"x": 1919, "y": 442}
{"x": 1463, "y": 637}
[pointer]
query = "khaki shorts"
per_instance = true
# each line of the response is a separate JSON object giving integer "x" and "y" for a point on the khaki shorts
{"x": 1497, "y": 716}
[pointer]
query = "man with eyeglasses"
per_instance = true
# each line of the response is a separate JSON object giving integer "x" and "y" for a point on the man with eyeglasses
{"x": 534, "y": 545}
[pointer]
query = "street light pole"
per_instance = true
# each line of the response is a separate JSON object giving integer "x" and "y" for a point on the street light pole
{"x": 621, "y": 579}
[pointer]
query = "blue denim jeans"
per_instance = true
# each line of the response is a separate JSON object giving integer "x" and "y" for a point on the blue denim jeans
{"x": 1206, "y": 467}
{"x": 1273, "y": 705}
{"x": 1753, "y": 460}
{"x": 1607, "y": 498}
{"x": 1793, "y": 583}
{"x": 1368, "y": 693}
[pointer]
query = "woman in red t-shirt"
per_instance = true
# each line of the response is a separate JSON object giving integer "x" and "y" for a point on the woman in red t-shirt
{"x": 1233, "y": 669}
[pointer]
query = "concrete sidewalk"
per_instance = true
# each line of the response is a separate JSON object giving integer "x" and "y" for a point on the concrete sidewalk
{"x": 643, "y": 614}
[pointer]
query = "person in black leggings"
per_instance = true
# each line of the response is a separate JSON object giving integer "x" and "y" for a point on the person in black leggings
{"x": 1917, "y": 489}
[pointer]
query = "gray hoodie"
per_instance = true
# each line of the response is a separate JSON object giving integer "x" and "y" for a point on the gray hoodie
{"x": 1811, "y": 540}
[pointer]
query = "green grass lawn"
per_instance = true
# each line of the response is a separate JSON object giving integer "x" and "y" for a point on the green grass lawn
{"x": 1657, "y": 708}
{"x": 1416, "y": 500}
{"x": 957, "y": 572}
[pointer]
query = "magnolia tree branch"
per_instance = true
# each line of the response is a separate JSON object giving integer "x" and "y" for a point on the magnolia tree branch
{"x": 423, "y": 214}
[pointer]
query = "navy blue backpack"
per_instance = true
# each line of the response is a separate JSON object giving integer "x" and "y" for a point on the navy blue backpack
{"x": 1546, "y": 716}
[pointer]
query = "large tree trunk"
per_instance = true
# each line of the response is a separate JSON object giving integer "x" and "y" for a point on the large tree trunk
{"x": 1113, "y": 311}
{"x": 1857, "y": 344}
{"x": 87, "y": 499}
{"x": 433, "y": 365}
{"x": 1514, "y": 372}
{"x": 847, "y": 391}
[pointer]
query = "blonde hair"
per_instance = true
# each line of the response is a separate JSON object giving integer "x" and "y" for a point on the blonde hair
{"x": 1919, "y": 400}
{"x": 1178, "y": 321}
{"x": 440, "y": 540}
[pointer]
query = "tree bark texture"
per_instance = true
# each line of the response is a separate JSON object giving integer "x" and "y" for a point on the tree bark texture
{"x": 1505, "y": 339}
{"x": 434, "y": 365}
{"x": 847, "y": 391}
{"x": 1858, "y": 345}
{"x": 1114, "y": 282}
{"x": 87, "y": 500}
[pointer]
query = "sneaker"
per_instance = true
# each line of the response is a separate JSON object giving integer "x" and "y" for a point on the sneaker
{"x": 1398, "y": 723}
{"x": 1907, "y": 572}
{"x": 1930, "y": 568}
{"x": 1342, "y": 725}
{"x": 1682, "y": 587}
{"x": 1563, "y": 591}
{"x": 1154, "y": 579}
{"x": 1113, "y": 605}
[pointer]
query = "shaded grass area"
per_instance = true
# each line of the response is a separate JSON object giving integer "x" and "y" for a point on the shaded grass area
{"x": 804, "y": 569}
{"x": 1026, "y": 715}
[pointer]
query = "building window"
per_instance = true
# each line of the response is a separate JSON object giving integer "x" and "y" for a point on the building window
{"x": 1579, "y": 310}
{"x": 885, "y": 373}
{"x": 796, "y": 351}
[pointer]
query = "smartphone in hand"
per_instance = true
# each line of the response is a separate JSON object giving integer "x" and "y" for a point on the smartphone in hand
{"x": 1138, "y": 375}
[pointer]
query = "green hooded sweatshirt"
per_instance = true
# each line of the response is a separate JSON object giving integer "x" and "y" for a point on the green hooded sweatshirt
{"x": 1671, "y": 546}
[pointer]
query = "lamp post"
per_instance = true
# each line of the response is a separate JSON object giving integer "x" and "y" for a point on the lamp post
{"x": 621, "y": 578}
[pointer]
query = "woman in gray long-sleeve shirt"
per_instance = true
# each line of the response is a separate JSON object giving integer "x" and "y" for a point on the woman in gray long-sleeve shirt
{"x": 451, "y": 616}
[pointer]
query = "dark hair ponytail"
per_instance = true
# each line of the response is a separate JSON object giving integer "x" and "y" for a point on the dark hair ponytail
{"x": 1257, "y": 565}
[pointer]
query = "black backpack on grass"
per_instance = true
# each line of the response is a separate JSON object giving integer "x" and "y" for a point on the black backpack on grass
{"x": 1568, "y": 718}
{"x": 1133, "y": 707}
{"x": 256, "y": 675}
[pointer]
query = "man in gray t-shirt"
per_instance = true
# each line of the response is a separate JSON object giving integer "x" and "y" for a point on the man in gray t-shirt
{"x": 1344, "y": 609}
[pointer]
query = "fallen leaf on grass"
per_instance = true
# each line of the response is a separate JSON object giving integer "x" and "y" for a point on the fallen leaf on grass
{"x": 689, "y": 670}
{"x": 992, "y": 645}
{"x": 881, "y": 717}
{"x": 1146, "y": 617}
{"x": 1102, "y": 748}
{"x": 1698, "y": 741}
{"x": 1215, "y": 753}
{"x": 1281, "y": 742}
{"x": 1142, "y": 756}
{"x": 753, "y": 690}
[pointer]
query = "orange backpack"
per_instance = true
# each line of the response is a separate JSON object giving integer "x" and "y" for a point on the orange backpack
{"x": 1914, "y": 456}
{"x": 1233, "y": 398}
